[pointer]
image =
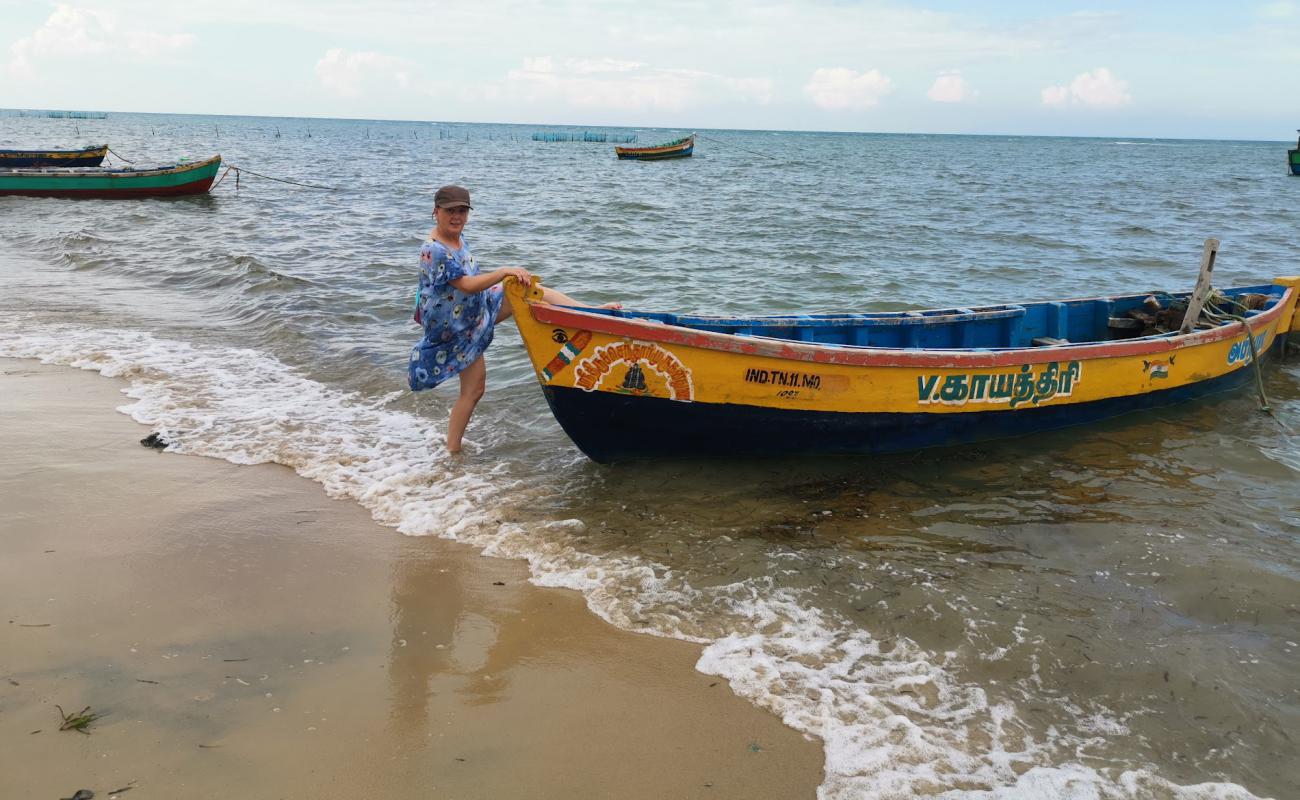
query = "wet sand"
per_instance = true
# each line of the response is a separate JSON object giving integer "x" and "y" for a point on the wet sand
{"x": 246, "y": 636}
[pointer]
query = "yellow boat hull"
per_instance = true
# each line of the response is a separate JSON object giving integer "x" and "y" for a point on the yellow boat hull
{"x": 627, "y": 388}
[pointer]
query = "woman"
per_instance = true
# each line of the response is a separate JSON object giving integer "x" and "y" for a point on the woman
{"x": 459, "y": 307}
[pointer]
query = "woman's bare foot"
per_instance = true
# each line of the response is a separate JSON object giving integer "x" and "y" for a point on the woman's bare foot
{"x": 612, "y": 306}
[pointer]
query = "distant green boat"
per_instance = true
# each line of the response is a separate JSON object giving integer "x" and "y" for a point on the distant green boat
{"x": 169, "y": 181}
{"x": 1293, "y": 157}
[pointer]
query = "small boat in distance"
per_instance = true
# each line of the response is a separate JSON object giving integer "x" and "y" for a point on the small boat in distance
{"x": 194, "y": 177}
{"x": 630, "y": 384}
{"x": 87, "y": 157}
{"x": 681, "y": 148}
{"x": 1293, "y": 157}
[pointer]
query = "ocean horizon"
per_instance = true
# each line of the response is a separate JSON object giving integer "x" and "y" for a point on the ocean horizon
{"x": 621, "y": 128}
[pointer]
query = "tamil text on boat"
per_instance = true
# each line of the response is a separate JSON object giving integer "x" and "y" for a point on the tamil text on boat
{"x": 87, "y": 157}
{"x": 626, "y": 384}
{"x": 191, "y": 177}
{"x": 681, "y": 148}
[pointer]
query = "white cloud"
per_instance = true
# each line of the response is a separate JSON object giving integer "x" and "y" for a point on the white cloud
{"x": 1284, "y": 9}
{"x": 590, "y": 66}
{"x": 77, "y": 33}
{"x": 950, "y": 87}
{"x": 837, "y": 88}
{"x": 609, "y": 84}
{"x": 1056, "y": 96}
{"x": 349, "y": 74}
{"x": 143, "y": 44}
{"x": 1099, "y": 88}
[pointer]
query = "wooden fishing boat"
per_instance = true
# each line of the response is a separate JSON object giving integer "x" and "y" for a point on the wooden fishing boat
{"x": 87, "y": 157}
{"x": 627, "y": 384}
{"x": 1293, "y": 157}
{"x": 681, "y": 148}
{"x": 193, "y": 177}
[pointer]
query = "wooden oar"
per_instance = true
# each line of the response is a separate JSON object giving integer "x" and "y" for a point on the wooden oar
{"x": 1202, "y": 290}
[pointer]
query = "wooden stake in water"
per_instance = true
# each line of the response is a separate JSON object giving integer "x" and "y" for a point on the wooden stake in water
{"x": 1202, "y": 290}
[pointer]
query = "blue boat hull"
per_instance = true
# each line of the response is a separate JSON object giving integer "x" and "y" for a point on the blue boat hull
{"x": 29, "y": 159}
{"x": 611, "y": 427}
{"x": 17, "y": 162}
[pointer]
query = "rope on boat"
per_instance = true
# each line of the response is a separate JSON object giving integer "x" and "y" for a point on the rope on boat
{"x": 1219, "y": 315}
{"x": 127, "y": 160}
{"x": 223, "y": 177}
{"x": 238, "y": 170}
{"x": 738, "y": 147}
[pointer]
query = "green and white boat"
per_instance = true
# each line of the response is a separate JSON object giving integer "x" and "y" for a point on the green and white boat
{"x": 192, "y": 177}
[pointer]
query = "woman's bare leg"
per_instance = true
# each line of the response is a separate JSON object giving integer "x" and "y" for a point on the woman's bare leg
{"x": 558, "y": 298}
{"x": 473, "y": 382}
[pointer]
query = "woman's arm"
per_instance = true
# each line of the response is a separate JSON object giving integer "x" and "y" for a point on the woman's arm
{"x": 472, "y": 284}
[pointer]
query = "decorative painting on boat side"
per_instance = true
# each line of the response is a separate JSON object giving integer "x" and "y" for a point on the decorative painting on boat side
{"x": 571, "y": 349}
{"x": 1158, "y": 369}
{"x": 651, "y": 370}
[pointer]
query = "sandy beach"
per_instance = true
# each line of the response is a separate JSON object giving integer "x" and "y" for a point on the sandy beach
{"x": 245, "y": 636}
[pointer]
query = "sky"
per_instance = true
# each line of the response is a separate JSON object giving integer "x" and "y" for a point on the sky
{"x": 1155, "y": 69}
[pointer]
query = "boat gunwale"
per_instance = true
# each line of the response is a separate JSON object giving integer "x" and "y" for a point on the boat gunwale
{"x": 869, "y": 356}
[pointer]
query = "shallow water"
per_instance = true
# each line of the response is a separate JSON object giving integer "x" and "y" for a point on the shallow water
{"x": 1105, "y": 612}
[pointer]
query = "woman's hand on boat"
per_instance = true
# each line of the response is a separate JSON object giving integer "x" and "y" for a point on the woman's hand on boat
{"x": 518, "y": 273}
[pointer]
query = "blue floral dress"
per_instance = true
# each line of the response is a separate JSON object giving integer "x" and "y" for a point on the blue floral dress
{"x": 458, "y": 326}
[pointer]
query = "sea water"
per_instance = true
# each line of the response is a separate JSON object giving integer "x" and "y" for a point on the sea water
{"x": 1103, "y": 612}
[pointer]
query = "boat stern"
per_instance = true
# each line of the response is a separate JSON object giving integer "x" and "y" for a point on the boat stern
{"x": 1291, "y": 316}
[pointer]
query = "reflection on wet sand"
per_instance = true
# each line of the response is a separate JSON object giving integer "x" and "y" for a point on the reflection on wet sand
{"x": 441, "y": 646}
{"x": 427, "y": 601}
{"x": 475, "y": 699}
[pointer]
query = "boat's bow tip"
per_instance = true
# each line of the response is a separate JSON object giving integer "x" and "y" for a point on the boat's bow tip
{"x": 516, "y": 290}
